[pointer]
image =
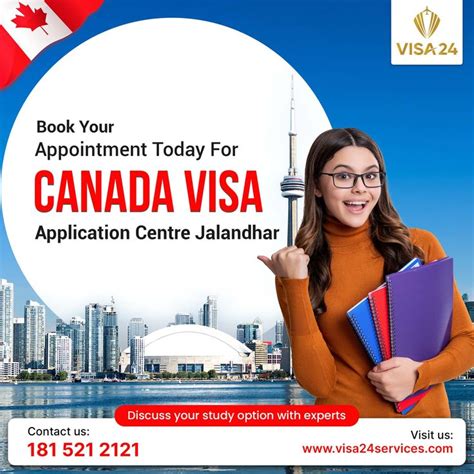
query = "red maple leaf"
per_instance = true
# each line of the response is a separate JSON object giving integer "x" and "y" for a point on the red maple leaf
{"x": 30, "y": 19}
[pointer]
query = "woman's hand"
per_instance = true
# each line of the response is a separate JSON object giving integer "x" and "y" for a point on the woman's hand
{"x": 289, "y": 262}
{"x": 395, "y": 378}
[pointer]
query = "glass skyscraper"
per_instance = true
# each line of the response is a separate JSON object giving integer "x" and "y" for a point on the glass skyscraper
{"x": 75, "y": 330}
{"x": 77, "y": 335}
{"x": 50, "y": 350}
{"x": 35, "y": 316}
{"x": 208, "y": 313}
{"x": 94, "y": 338}
{"x": 6, "y": 317}
{"x": 137, "y": 355}
{"x": 63, "y": 354}
{"x": 111, "y": 342}
{"x": 136, "y": 327}
{"x": 183, "y": 318}
{"x": 19, "y": 341}
{"x": 247, "y": 333}
{"x": 279, "y": 333}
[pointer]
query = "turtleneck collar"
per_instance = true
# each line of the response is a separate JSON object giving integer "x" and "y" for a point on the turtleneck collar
{"x": 341, "y": 235}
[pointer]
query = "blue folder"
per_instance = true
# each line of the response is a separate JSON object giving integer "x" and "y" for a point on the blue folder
{"x": 361, "y": 319}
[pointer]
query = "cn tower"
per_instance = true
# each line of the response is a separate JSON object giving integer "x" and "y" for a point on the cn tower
{"x": 292, "y": 186}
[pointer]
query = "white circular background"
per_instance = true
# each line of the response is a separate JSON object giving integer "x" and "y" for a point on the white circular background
{"x": 161, "y": 80}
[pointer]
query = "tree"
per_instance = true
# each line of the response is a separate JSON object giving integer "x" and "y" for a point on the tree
{"x": 62, "y": 375}
{"x": 278, "y": 374}
{"x": 23, "y": 375}
{"x": 211, "y": 374}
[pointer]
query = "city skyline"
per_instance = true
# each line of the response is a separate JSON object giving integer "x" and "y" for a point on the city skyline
{"x": 224, "y": 325}
{"x": 90, "y": 344}
{"x": 87, "y": 346}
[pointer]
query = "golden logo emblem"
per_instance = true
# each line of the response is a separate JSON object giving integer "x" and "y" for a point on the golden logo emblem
{"x": 427, "y": 22}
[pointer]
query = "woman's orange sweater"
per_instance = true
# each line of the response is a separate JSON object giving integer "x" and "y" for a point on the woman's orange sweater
{"x": 330, "y": 362}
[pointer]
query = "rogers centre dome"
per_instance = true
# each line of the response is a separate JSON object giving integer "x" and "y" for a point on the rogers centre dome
{"x": 192, "y": 348}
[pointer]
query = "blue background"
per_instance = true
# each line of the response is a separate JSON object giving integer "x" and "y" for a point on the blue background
{"x": 421, "y": 116}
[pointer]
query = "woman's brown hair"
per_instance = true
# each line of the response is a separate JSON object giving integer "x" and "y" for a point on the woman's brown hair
{"x": 389, "y": 235}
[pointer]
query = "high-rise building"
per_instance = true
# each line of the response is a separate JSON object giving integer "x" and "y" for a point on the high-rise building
{"x": 240, "y": 333}
{"x": 9, "y": 369}
{"x": 6, "y": 316}
{"x": 4, "y": 352}
{"x": 77, "y": 335}
{"x": 50, "y": 350}
{"x": 208, "y": 313}
{"x": 75, "y": 330}
{"x": 183, "y": 318}
{"x": 94, "y": 338}
{"x": 136, "y": 327}
{"x": 274, "y": 359}
{"x": 62, "y": 328}
{"x": 204, "y": 315}
{"x": 63, "y": 354}
{"x": 250, "y": 332}
{"x": 286, "y": 362}
{"x": 111, "y": 341}
{"x": 261, "y": 353}
{"x": 19, "y": 341}
{"x": 137, "y": 355}
{"x": 279, "y": 333}
{"x": 35, "y": 317}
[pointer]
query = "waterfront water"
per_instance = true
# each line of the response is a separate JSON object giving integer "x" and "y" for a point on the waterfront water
{"x": 99, "y": 400}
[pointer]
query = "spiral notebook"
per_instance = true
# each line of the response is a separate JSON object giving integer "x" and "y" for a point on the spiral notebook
{"x": 421, "y": 304}
{"x": 379, "y": 306}
{"x": 426, "y": 292}
{"x": 378, "y": 300}
{"x": 361, "y": 319}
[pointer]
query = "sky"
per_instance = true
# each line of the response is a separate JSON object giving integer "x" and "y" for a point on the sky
{"x": 421, "y": 116}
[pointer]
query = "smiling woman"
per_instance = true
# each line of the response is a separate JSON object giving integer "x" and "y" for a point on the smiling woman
{"x": 347, "y": 197}
{"x": 351, "y": 236}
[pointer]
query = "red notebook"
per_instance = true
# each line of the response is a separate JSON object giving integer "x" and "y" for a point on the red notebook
{"x": 380, "y": 312}
{"x": 379, "y": 307}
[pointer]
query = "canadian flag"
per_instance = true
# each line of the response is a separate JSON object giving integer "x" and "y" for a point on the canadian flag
{"x": 29, "y": 26}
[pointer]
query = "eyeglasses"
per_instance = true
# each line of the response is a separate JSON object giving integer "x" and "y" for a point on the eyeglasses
{"x": 345, "y": 180}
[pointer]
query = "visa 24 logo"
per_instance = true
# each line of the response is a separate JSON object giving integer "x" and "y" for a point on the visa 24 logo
{"x": 426, "y": 23}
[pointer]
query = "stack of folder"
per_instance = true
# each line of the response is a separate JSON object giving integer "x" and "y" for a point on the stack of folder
{"x": 408, "y": 316}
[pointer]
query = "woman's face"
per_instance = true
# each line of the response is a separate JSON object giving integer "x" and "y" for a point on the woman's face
{"x": 351, "y": 206}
